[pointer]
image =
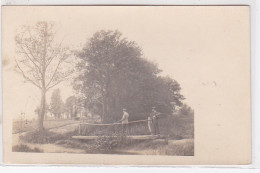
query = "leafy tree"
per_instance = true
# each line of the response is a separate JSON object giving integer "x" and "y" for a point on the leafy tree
{"x": 114, "y": 73}
{"x": 41, "y": 59}
{"x": 56, "y": 105}
{"x": 186, "y": 110}
{"x": 72, "y": 107}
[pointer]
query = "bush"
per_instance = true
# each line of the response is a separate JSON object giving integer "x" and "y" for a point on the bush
{"x": 106, "y": 144}
{"x": 103, "y": 144}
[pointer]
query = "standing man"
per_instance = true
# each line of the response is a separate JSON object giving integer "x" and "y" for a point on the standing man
{"x": 155, "y": 116}
{"x": 150, "y": 125}
{"x": 124, "y": 120}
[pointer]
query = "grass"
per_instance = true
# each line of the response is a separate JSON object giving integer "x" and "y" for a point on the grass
{"x": 92, "y": 147}
{"x": 25, "y": 148}
{"x": 183, "y": 147}
{"x": 45, "y": 137}
{"x": 180, "y": 149}
{"x": 26, "y": 126}
{"x": 178, "y": 127}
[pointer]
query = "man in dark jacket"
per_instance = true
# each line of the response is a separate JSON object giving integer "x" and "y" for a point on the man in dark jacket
{"x": 155, "y": 116}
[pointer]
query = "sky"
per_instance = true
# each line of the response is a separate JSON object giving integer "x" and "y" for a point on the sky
{"x": 196, "y": 46}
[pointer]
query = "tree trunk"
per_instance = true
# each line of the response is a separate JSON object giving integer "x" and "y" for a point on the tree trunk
{"x": 43, "y": 89}
{"x": 42, "y": 113}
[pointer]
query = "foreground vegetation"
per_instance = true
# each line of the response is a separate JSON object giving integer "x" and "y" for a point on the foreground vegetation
{"x": 26, "y": 148}
{"x": 178, "y": 128}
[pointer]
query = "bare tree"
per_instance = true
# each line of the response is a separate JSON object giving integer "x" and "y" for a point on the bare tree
{"x": 41, "y": 60}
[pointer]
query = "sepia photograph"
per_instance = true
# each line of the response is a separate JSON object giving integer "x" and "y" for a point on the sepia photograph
{"x": 129, "y": 82}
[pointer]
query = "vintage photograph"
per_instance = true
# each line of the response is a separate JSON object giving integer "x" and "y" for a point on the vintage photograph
{"x": 119, "y": 80}
{"x": 115, "y": 101}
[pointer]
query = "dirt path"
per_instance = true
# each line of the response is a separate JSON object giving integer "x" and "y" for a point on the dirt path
{"x": 50, "y": 148}
{"x": 65, "y": 128}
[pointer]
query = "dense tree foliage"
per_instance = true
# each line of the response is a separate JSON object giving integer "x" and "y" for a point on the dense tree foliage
{"x": 72, "y": 107}
{"x": 186, "y": 110}
{"x": 114, "y": 74}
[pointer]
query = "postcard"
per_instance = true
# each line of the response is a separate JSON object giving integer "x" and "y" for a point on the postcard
{"x": 126, "y": 85}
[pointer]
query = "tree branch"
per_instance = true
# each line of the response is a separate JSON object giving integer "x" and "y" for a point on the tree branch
{"x": 52, "y": 56}
{"x": 63, "y": 78}
{"x": 28, "y": 57}
{"x": 54, "y": 73}
{"x": 26, "y": 77}
{"x": 33, "y": 59}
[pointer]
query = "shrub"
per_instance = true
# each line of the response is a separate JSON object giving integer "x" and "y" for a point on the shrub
{"x": 105, "y": 144}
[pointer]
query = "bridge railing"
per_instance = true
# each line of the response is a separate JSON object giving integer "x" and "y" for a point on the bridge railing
{"x": 139, "y": 127}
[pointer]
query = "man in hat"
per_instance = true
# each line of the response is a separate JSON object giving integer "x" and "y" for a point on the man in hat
{"x": 124, "y": 120}
{"x": 155, "y": 116}
{"x": 150, "y": 124}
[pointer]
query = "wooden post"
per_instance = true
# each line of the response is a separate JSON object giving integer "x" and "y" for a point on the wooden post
{"x": 166, "y": 139}
{"x": 79, "y": 129}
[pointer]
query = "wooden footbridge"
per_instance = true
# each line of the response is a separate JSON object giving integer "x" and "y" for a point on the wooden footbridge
{"x": 136, "y": 137}
{"x": 85, "y": 133}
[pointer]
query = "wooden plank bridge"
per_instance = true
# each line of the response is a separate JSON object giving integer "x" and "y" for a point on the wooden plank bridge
{"x": 81, "y": 135}
{"x": 136, "y": 137}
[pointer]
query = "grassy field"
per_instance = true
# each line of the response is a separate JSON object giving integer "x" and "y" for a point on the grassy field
{"x": 27, "y": 126}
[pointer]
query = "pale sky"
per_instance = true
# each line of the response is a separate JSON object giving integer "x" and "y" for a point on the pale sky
{"x": 196, "y": 46}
